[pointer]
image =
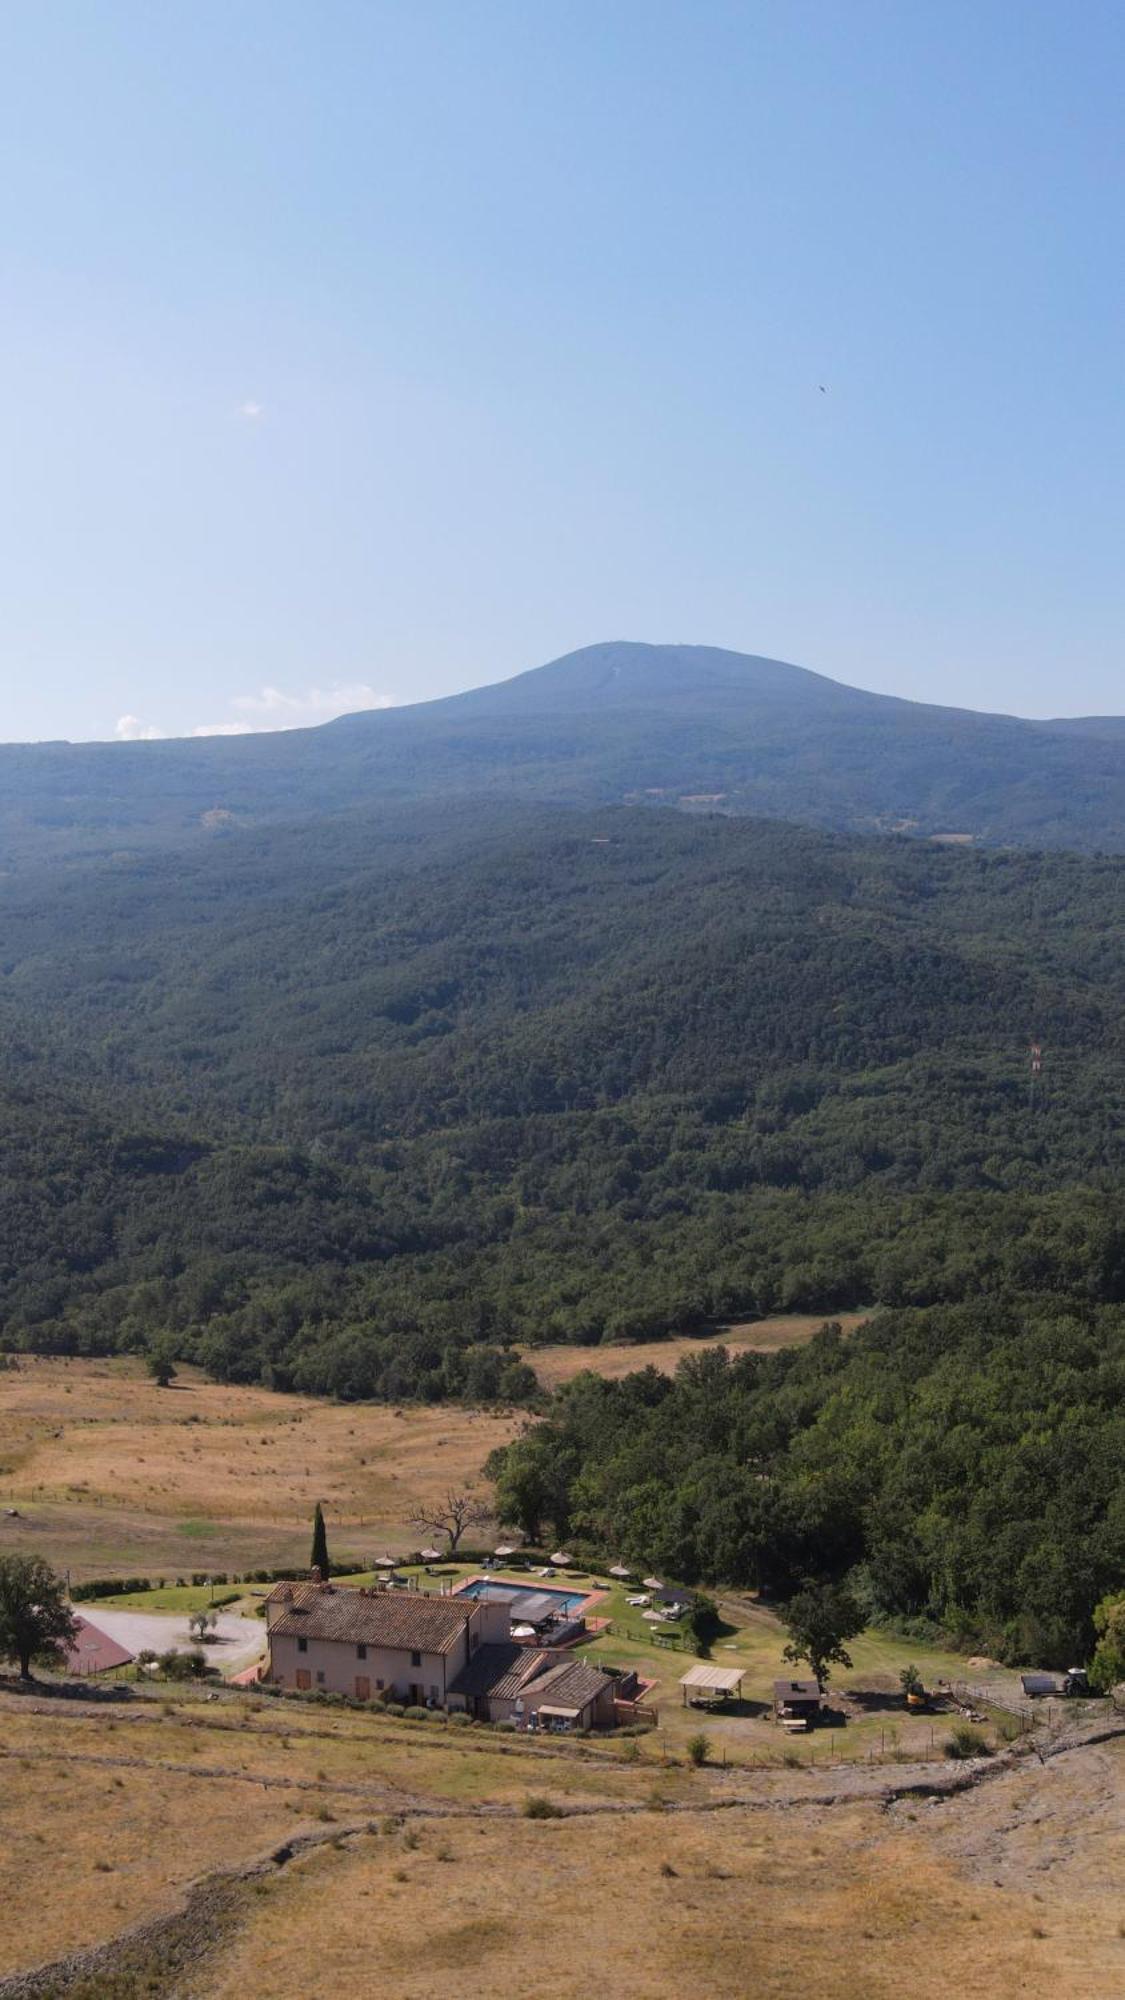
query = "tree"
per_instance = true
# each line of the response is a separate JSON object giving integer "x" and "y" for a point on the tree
{"x": 819, "y": 1620}
{"x": 910, "y": 1681}
{"x": 36, "y": 1621}
{"x": 160, "y": 1364}
{"x": 202, "y": 1624}
{"x": 704, "y": 1624}
{"x": 451, "y": 1517}
{"x": 530, "y": 1484}
{"x": 319, "y": 1558}
{"x": 1107, "y": 1667}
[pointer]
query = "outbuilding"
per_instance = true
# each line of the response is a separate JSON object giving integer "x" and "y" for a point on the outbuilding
{"x": 797, "y": 1704}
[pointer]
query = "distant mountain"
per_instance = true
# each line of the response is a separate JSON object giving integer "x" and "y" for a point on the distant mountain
{"x": 687, "y": 726}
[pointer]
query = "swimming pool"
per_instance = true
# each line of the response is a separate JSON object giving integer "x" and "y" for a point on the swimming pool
{"x": 516, "y": 1594}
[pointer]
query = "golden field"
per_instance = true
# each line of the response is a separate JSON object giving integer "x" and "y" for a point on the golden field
{"x": 554, "y": 1365}
{"x": 423, "y": 1869}
{"x": 113, "y": 1474}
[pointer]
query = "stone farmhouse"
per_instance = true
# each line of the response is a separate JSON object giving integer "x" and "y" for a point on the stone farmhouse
{"x": 455, "y": 1653}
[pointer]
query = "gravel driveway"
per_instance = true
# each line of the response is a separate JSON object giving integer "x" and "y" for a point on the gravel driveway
{"x": 236, "y": 1643}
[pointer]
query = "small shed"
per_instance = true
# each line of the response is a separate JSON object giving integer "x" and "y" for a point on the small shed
{"x": 673, "y": 1603}
{"x": 796, "y": 1704}
{"x": 707, "y": 1684}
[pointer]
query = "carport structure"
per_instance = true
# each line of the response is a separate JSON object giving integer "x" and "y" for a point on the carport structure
{"x": 707, "y": 1684}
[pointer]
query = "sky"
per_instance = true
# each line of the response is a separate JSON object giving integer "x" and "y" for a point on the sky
{"x": 358, "y": 353}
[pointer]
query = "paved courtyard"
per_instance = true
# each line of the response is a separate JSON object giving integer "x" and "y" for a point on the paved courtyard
{"x": 236, "y": 1642}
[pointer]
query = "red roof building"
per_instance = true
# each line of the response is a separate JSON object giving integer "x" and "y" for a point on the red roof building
{"x": 93, "y": 1651}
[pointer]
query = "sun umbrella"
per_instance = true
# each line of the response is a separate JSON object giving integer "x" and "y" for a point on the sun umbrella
{"x": 653, "y": 1583}
{"x": 431, "y": 1555}
{"x": 560, "y": 1556}
{"x": 653, "y": 1617}
{"x": 505, "y": 1549}
{"x": 384, "y": 1562}
{"x": 619, "y": 1569}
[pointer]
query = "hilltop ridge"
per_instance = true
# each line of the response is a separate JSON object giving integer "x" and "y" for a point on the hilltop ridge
{"x": 618, "y": 722}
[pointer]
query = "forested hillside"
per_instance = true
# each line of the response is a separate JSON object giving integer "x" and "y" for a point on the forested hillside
{"x": 684, "y": 726}
{"x": 961, "y": 1465}
{"x": 353, "y": 1105}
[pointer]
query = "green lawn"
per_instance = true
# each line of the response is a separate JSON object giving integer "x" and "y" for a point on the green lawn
{"x": 185, "y": 1599}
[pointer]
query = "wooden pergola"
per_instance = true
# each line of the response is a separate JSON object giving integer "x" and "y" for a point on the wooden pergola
{"x": 711, "y": 1683}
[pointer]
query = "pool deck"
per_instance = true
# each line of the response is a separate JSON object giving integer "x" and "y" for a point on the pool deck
{"x": 534, "y": 1586}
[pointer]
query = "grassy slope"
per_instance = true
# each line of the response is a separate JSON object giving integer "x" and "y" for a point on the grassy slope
{"x": 849, "y": 1901}
{"x": 114, "y": 1476}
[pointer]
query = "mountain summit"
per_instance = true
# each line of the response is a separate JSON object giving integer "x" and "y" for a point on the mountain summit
{"x": 690, "y": 727}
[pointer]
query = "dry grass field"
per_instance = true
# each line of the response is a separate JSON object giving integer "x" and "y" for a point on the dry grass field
{"x": 763, "y": 1336}
{"x": 727, "y": 1904}
{"x": 112, "y": 1473}
{"x": 423, "y": 1869}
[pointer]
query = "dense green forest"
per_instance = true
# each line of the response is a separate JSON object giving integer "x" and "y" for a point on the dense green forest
{"x": 355, "y": 1105}
{"x": 961, "y": 1466}
{"x": 610, "y": 724}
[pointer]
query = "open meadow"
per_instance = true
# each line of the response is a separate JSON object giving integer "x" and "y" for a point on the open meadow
{"x": 554, "y": 1365}
{"x": 213, "y": 1847}
{"x": 111, "y": 1475}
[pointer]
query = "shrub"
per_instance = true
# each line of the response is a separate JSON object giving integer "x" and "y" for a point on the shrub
{"x": 967, "y": 1741}
{"x": 699, "y": 1749}
{"x": 109, "y": 1586}
{"x": 184, "y": 1666}
{"x": 395, "y": 1708}
{"x": 416, "y": 1714}
{"x": 459, "y": 1720}
{"x": 537, "y": 1807}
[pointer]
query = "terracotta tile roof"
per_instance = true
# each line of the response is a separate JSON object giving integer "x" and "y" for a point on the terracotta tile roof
{"x": 572, "y": 1684}
{"x": 404, "y": 1619}
{"x": 498, "y": 1670}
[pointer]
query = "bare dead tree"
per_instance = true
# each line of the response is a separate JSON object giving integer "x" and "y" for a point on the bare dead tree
{"x": 452, "y": 1516}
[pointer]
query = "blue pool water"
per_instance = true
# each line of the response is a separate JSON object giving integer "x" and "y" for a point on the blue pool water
{"x": 517, "y": 1593}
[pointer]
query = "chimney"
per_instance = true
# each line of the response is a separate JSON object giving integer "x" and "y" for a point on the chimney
{"x": 314, "y": 1575}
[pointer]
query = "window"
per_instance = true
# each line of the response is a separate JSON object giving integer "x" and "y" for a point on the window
{"x": 380, "y": 1684}
{"x": 320, "y": 1677}
{"x": 361, "y": 1652}
{"x": 433, "y": 1694}
{"x": 415, "y": 1659}
{"x": 302, "y": 1645}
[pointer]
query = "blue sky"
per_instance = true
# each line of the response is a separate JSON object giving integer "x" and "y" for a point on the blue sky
{"x": 365, "y": 352}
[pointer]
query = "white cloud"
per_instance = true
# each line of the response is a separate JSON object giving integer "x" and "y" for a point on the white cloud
{"x": 130, "y": 729}
{"x": 251, "y": 411}
{"x": 273, "y": 708}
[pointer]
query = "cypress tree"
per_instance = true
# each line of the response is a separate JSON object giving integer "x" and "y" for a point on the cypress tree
{"x": 319, "y": 1557}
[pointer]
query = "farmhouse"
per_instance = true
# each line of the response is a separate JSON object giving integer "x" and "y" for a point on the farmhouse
{"x": 405, "y": 1646}
{"x": 431, "y": 1652}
